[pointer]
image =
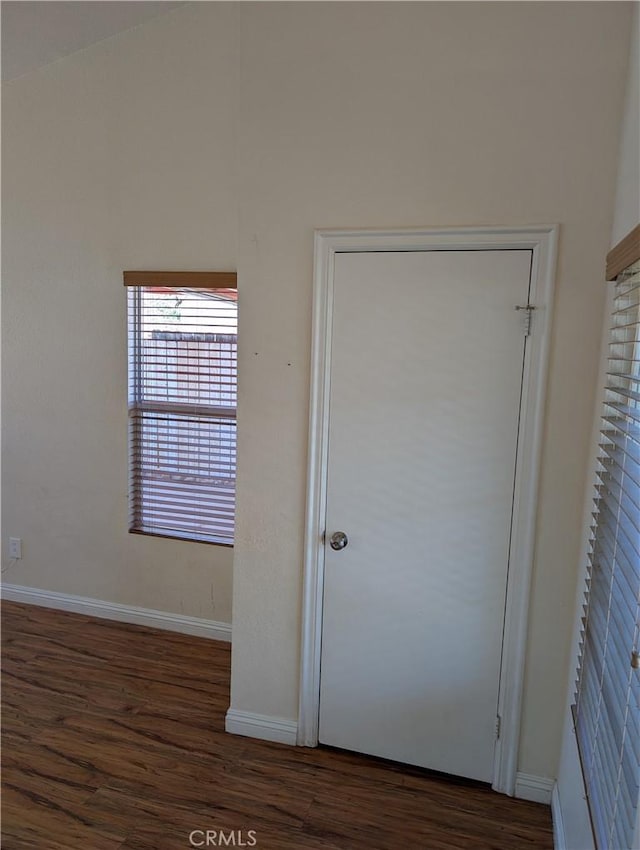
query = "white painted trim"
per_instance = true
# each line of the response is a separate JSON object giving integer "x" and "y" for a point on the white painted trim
{"x": 542, "y": 241}
{"x": 123, "y": 613}
{"x": 559, "y": 840}
{"x": 523, "y": 522}
{"x": 536, "y": 789}
{"x": 261, "y": 726}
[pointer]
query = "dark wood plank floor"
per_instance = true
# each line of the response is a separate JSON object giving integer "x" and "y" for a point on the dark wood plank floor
{"x": 113, "y": 737}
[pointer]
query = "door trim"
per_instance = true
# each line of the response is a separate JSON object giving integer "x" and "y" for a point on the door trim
{"x": 541, "y": 240}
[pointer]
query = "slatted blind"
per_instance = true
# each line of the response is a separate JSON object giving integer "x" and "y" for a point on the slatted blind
{"x": 607, "y": 710}
{"x": 182, "y": 411}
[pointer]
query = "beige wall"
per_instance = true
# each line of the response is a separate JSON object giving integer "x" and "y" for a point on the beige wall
{"x": 339, "y": 115}
{"x": 570, "y": 788}
{"x": 627, "y": 205}
{"x": 414, "y": 114}
{"x": 120, "y": 156}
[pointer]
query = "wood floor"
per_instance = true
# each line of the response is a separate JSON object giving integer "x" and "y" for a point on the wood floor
{"x": 113, "y": 737}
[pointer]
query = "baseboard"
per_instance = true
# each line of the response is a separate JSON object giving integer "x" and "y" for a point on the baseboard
{"x": 261, "y": 726}
{"x": 537, "y": 789}
{"x": 123, "y": 613}
{"x": 559, "y": 840}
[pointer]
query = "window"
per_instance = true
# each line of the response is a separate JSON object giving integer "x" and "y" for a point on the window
{"x": 183, "y": 331}
{"x": 607, "y": 710}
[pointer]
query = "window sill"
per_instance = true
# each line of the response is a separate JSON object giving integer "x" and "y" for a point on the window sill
{"x": 210, "y": 541}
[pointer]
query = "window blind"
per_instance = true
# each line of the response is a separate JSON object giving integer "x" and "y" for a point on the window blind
{"x": 607, "y": 708}
{"x": 182, "y": 411}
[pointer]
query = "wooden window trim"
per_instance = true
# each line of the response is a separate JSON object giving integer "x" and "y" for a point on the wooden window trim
{"x": 626, "y": 252}
{"x": 184, "y": 280}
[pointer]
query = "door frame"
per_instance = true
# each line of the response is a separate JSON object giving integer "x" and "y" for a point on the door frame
{"x": 541, "y": 240}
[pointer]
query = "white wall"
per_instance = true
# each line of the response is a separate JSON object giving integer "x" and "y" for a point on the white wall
{"x": 571, "y": 801}
{"x": 339, "y": 115}
{"x": 572, "y": 823}
{"x": 627, "y": 205}
{"x": 118, "y": 157}
{"x": 388, "y": 115}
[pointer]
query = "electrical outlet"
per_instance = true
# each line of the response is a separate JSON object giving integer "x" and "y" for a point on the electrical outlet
{"x": 15, "y": 547}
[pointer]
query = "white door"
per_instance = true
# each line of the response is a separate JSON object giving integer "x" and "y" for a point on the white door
{"x": 425, "y": 381}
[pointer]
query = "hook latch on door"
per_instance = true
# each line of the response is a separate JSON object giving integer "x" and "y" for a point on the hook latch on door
{"x": 528, "y": 310}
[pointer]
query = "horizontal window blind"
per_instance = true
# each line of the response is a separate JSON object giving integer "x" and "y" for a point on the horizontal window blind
{"x": 607, "y": 710}
{"x": 182, "y": 411}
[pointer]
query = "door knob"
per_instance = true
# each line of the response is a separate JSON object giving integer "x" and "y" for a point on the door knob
{"x": 338, "y": 540}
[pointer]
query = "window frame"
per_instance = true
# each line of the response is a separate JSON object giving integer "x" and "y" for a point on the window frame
{"x": 179, "y": 280}
{"x": 591, "y": 724}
